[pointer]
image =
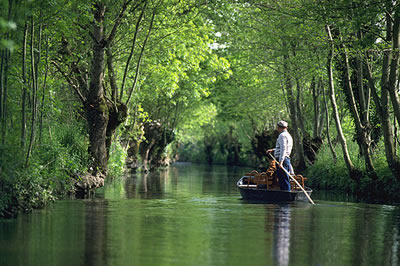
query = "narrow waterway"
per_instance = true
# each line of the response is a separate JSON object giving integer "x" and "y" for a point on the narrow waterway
{"x": 194, "y": 215}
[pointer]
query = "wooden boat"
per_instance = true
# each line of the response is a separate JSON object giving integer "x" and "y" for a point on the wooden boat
{"x": 264, "y": 187}
{"x": 259, "y": 192}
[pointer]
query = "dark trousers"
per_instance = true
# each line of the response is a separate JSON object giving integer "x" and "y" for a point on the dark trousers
{"x": 284, "y": 179}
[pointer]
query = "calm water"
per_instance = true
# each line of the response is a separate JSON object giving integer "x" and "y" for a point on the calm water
{"x": 193, "y": 215}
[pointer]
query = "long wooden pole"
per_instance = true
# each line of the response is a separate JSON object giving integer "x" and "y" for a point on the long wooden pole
{"x": 294, "y": 179}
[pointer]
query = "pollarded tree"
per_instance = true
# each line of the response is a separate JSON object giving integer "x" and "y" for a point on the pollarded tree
{"x": 93, "y": 31}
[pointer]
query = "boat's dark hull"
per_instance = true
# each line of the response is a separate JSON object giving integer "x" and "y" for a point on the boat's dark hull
{"x": 252, "y": 193}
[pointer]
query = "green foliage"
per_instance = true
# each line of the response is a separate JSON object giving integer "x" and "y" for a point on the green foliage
{"x": 6, "y": 27}
{"x": 116, "y": 162}
{"x": 326, "y": 175}
{"x": 203, "y": 134}
{"x": 181, "y": 75}
{"x": 48, "y": 175}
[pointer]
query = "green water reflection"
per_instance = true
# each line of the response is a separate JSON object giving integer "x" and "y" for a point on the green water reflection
{"x": 193, "y": 215}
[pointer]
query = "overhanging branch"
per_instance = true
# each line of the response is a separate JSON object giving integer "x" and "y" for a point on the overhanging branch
{"x": 117, "y": 22}
{"x": 132, "y": 50}
{"x": 70, "y": 82}
{"x": 140, "y": 58}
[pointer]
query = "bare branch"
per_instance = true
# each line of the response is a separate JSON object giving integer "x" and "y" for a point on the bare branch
{"x": 70, "y": 82}
{"x": 111, "y": 75}
{"x": 140, "y": 57}
{"x": 117, "y": 22}
{"x": 132, "y": 49}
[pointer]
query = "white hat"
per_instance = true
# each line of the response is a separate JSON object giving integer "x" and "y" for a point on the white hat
{"x": 282, "y": 124}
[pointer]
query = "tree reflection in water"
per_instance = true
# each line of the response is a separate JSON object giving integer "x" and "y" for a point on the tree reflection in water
{"x": 96, "y": 233}
{"x": 281, "y": 247}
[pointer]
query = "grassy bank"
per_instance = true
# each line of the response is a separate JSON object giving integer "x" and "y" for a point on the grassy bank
{"x": 25, "y": 186}
{"x": 326, "y": 175}
{"x": 48, "y": 174}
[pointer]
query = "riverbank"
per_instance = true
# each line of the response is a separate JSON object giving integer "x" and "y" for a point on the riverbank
{"x": 324, "y": 174}
{"x": 48, "y": 177}
{"x": 54, "y": 172}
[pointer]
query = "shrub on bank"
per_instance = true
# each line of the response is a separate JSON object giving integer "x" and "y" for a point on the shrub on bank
{"x": 46, "y": 177}
{"x": 48, "y": 173}
{"x": 23, "y": 188}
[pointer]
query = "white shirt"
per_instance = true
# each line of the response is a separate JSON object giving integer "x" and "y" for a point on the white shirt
{"x": 284, "y": 145}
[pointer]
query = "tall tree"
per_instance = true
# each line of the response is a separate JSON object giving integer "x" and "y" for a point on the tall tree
{"x": 293, "y": 108}
{"x": 103, "y": 115}
{"x": 350, "y": 166}
{"x": 388, "y": 81}
{"x": 361, "y": 121}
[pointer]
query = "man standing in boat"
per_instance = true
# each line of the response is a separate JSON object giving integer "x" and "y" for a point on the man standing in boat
{"x": 283, "y": 148}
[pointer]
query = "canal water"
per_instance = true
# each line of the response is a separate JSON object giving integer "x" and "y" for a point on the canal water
{"x": 194, "y": 215}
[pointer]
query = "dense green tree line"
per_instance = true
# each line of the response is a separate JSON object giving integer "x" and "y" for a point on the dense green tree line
{"x": 72, "y": 72}
{"x": 86, "y": 86}
{"x": 321, "y": 62}
{"x": 330, "y": 68}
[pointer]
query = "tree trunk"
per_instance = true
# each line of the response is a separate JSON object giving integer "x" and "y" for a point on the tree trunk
{"x": 209, "y": 155}
{"x": 382, "y": 107}
{"x": 3, "y": 93}
{"x": 382, "y": 103}
{"x": 44, "y": 91}
{"x": 328, "y": 135}
{"x": 362, "y": 129}
{"x": 2, "y": 52}
{"x": 24, "y": 89}
{"x": 118, "y": 111}
{"x": 316, "y": 107}
{"x": 350, "y": 167}
{"x": 117, "y": 115}
{"x": 322, "y": 110}
{"x": 4, "y": 66}
{"x": 394, "y": 65}
{"x": 5, "y": 60}
{"x": 96, "y": 107}
{"x": 299, "y": 109}
{"x": 34, "y": 93}
{"x": 145, "y": 154}
{"x": 297, "y": 139}
{"x": 103, "y": 115}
